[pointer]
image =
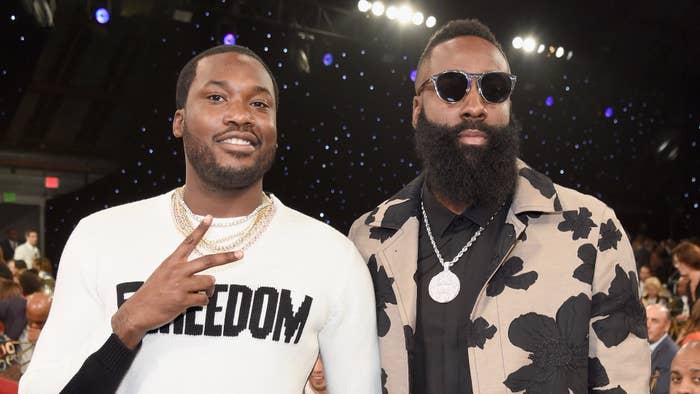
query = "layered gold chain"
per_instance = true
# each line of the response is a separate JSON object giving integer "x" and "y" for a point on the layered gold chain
{"x": 259, "y": 219}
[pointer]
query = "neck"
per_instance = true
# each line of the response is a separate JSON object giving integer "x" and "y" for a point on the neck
{"x": 456, "y": 207}
{"x": 205, "y": 200}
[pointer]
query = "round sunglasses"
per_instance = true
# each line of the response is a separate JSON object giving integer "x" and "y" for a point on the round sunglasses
{"x": 451, "y": 86}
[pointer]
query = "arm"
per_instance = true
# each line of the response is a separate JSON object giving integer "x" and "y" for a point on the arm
{"x": 618, "y": 324}
{"x": 349, "y": 343}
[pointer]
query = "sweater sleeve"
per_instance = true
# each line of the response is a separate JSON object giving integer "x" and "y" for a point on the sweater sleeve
{"x": 348, "y": 341}
{"x": 77, "y": 324}
{"x": 103, "y": 370}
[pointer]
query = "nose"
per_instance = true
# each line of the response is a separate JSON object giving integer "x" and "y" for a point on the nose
{"x": 473, "y": 105}
{"x": 238, "y": 114}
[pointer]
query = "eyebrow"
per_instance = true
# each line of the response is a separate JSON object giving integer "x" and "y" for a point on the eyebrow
{"x": 225, "y": 84}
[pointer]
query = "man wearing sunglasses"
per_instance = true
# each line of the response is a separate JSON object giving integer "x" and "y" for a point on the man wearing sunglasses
{"x": 490, "y": 278}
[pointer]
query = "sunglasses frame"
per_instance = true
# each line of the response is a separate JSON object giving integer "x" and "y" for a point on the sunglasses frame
{"x": 471, "y": 77}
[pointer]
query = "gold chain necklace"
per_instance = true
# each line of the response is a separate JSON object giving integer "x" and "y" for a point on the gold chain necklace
{"x": 186, "y": 222}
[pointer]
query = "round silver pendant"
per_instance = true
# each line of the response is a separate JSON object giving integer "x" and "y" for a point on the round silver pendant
{"x": 444, "y": 286}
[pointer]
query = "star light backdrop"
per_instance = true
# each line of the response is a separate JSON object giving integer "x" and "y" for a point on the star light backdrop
{"x": 345, "y": 138}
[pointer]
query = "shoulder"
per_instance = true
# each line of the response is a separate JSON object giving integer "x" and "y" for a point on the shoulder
{"x": 572, "y": 200}
{"x": 128, "y": 213}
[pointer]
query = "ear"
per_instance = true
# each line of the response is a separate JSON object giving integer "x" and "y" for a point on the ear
{"x": 416, "y": 110}
{"x": 179, "y": 123}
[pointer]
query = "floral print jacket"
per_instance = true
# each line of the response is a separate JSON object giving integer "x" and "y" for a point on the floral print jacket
{"x": 561, "y": 314}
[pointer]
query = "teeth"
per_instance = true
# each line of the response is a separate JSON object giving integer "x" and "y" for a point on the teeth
{"x": 236, "y": 141}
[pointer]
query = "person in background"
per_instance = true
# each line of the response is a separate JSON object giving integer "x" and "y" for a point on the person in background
{"x": 686, "y": 258}
{"x": 661, "y": 345}
{"x": 652, "y": 287}
{"x": 691, "y": 330}
{"x": 38, "y": 307}
{"x": 685, "y": 370}
{"x": 317, "y": 380}
{"x": 13, "y": 308}
{"x": 9, "y": 244}
{"x": 644, "y": 273}
{"x": 28, "y": 251}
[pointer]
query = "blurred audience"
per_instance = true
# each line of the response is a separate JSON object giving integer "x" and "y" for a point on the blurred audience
{"x": 686, "y": 258}
{"x": 30, "y": 282}
{"x": 12, "y": 308}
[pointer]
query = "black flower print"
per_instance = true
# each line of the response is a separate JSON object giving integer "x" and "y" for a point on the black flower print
{"x": 538, "y": 181}
{"x": 383, "y": 294}
{"x": 579, "y": 222}
{"x": 609, "y": 236}
{"x": 598, "y": 377}
{"x": 381, "y": 233}
{"x": 478, "y": 332}
{"x": 558, "y": 349}
{"x": 584, "y": 272}
{"x": 622, "y": 308}
{"x": 505, "y": 276}
{"x": 408, "y": 335}
{"x": 372, "y": 216}
{"x": 384, "y": 376}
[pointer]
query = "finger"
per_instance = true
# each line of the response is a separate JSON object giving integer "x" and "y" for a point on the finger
{"x": 212, "y": 260}
{"x": 191, "y": 241}
{"x": 196, "y": 299}
{"x": 198, "y": 283}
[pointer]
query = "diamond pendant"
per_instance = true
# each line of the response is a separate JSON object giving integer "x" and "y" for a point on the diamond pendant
{"x": 444, "y": 286}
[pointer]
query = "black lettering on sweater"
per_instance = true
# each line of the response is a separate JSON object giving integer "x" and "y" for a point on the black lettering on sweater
{"x": 261, "y": 311}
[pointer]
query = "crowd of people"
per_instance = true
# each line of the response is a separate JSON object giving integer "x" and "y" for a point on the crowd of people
{"x": 26, "y": 288}
{"x": 669, "y": 274}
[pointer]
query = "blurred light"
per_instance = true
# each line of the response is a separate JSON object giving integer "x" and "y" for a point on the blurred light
{"x": 229, "y": 39}
{"x": 430, "y": 22}
{"x": 327, "y": 59}
{"x": 608, "y": 112}
{"x": 51, "y": 182}
{"x": 549, "y": 101}
{"x": 540, "y": 48}
{"x": 392, "y": 12}
{"x": 418, "y": 18}
{"x": 517, "y": 42}
{"x": 102, "y": 16}
{"x": 559, "y": 52}
{"x": 413, "y": 75}
{"x": 364, "y": 5}
{"x": 529, "y": 44}
{"x": 378, "y": 8}
{"x": 569, "y": 55}
{"x": 405, "y": 14}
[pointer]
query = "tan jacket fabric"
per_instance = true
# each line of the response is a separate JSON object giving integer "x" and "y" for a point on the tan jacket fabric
{"x": 561, "y": 314}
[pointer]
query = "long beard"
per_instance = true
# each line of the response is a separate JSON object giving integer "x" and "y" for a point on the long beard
{"x": 224, "y": 178}
{"x": 477, "y": 175}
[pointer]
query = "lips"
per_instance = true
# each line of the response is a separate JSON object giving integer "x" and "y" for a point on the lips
{"x": 472, "y": 133}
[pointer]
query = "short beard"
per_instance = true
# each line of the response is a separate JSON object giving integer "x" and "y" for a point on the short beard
{"x": 223, "y": 178}
{"x": 483, "y": 176}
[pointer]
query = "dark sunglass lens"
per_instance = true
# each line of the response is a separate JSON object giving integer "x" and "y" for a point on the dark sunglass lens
{"x": 496, "y": 87}
{"x": 451, "y": 86}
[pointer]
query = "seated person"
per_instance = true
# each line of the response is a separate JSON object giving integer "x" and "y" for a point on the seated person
{"x": 38, "y": 306}
{"x": 653, "y": 292}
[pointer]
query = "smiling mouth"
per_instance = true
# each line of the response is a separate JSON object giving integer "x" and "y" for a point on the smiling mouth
{"x": 237, "y": 141}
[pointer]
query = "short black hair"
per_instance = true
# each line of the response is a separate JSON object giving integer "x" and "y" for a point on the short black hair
{"x": 30, "y": 282}
{"x": 20, "y": 264}
{"x": 458, "y": 28}
{"x": 189, "y": 71}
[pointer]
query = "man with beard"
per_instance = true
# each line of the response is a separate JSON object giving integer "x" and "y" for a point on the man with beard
{"x": 146, "y": 300}
{"x": 489, "y": 277}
